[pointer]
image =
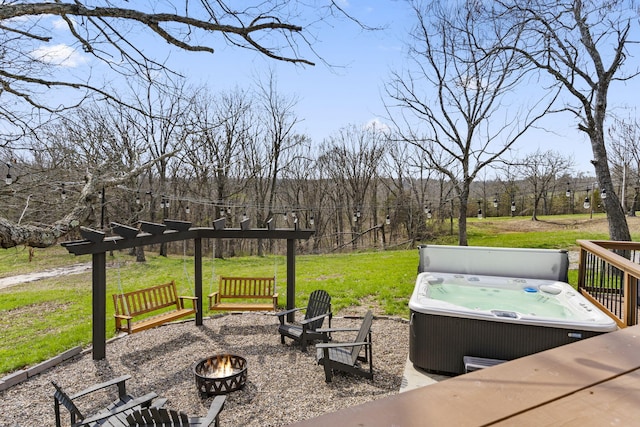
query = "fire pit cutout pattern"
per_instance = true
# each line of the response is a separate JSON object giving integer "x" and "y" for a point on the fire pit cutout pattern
{"x": 220, "y": 374}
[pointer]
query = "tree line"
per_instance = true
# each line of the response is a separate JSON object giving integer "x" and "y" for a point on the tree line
{"x": 478, "y": 76}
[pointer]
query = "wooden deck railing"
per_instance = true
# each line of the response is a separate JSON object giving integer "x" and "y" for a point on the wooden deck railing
{"x": 608, "y": 275}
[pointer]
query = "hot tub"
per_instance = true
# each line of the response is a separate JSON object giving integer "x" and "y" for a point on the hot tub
{"x": 495, "y": 317}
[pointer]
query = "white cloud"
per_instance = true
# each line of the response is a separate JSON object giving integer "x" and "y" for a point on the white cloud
{"x": 377, "y": 124}
{"x": 60, "y": 24}
{"x": 59, "y": 54}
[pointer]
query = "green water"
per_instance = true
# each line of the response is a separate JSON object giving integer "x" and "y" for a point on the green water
{"x": 487, "y": 298}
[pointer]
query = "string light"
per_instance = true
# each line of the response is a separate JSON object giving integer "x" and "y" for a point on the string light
{"x": 64, "y": 192}
{"x": 8, "y": 179}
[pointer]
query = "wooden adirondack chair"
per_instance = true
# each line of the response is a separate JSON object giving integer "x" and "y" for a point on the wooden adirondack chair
{"x": 148, "y": 417}
{"x": 346, "y": 356}
{"x": 318, "y": 308}
{"x": 120, "y": 408}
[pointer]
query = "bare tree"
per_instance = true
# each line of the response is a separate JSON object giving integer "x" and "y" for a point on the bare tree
{"x": 274, "y": 149}
{"x": 221, "y": 127}
{"x": 455, "y": 103}
{"x": 34, "y": 47}
{"x": 352, "y": 159}
{"x": 541, "y": 170}
{"x": 34, "y": 84}
{"x": 623, "y": 154}
{"x": 583, "y": 46}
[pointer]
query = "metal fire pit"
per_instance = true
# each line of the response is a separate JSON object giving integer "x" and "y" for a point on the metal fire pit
{"x": 208, "y": 384}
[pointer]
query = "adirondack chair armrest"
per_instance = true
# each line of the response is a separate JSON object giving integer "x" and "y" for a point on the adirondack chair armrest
{"x": 119, "y": 381}
{"x": 140, "y": 401}
{"x": 342, "y": 344}
{"x": 281, "y": 314}
{"x": 313, "y": 319}
{"x": 214, "y": 411}
{"x": 330, "y": 330}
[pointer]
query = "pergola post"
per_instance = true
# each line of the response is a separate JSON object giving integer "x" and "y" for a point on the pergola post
{"x": 197, "y": 243}
{"x": 99, "y": 302}
{"x": 291, "y": 278}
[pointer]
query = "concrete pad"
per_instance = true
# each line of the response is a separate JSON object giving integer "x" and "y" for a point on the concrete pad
{"x": 415, "y": 378}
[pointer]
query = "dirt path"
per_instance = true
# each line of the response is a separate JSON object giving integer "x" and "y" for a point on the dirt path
{"x": 7, "y": 282}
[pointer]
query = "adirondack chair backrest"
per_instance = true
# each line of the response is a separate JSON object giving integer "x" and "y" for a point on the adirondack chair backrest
{"x": 319, "y": 303}
{"x": 61, "y": 397}
{"x": 158, "y": 417}
{"x": 362, "y": 335}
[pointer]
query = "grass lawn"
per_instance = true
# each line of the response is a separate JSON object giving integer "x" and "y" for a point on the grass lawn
{"x": 41, "y": 319}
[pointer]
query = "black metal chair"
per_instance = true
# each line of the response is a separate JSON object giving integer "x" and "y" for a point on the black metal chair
{"x": 149, "y": 417}
{"x": 318, "y": 308}
{"x": 346, "y": 356}
{"x": 120, "y": 408}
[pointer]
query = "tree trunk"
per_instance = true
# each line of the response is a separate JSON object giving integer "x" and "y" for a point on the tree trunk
{"x": 618, "y": 227}
{"x": 462, "y": 222}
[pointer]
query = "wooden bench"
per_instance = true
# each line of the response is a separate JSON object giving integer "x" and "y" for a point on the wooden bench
{"x": 131, "y": 304}
{"x": 244, "y": 288}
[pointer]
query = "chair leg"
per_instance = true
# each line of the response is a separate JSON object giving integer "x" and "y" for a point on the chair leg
{"x": 282, "y": 338}
{"x": 327, "y": 366}
{"x": 56, "y": 409}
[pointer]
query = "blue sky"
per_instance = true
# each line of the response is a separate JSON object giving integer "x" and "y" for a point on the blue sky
{"x": 351, "y": 91}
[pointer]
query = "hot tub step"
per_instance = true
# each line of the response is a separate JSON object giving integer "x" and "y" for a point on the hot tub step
{"x": 475, "y": 363}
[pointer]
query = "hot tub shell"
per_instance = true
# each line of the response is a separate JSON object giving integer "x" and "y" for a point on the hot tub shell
{"x": 442, "y": 334}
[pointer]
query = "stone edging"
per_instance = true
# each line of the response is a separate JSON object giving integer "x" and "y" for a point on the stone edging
{"x": 21, "y": 375}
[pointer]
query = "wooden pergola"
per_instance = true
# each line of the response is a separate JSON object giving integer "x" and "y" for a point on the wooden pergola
{"x": 98, "y": 244}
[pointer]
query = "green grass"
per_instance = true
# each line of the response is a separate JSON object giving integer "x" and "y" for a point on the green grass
{"x": 41, "y": 319}
{"x": 44, "y": 318}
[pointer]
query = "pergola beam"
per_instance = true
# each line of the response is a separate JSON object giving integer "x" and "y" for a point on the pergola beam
{"x": 97, "y": 244}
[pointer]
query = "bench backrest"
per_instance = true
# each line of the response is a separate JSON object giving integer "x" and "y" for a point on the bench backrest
{"x": 146, "y": 300}
{"x": 246, "y": 287}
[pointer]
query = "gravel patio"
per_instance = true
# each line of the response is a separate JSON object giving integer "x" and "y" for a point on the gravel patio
{"x": 284, "y": 385}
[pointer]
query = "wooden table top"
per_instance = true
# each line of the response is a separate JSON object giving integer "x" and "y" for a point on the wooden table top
{"x": 593, "y": 382}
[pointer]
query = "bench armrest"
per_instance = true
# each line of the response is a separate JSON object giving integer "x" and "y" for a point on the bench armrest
{"x": 188, "y": 298}
{"x": 123, "y": 316}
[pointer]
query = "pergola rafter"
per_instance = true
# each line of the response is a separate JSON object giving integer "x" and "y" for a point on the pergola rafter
{"x": 98, "y": 244}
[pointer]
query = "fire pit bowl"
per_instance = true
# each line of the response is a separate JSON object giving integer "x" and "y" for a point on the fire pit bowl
{"x": 220, "y": 374}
